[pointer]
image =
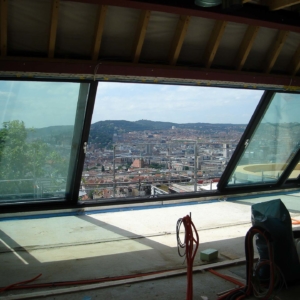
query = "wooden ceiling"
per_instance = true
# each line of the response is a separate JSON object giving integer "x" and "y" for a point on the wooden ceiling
{"x": 257, "y": 45}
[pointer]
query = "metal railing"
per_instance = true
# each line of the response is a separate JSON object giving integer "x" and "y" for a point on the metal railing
{"x": 176, "y": 168}
{"x": 32, "y": 188}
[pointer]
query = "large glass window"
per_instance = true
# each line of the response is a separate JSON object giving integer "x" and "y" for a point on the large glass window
{"x": 273, "y": 144}
{"x": 38, "y": 143}
{"x": 149, "y": 140}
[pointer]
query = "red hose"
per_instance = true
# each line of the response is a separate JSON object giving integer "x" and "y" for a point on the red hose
{"x": 190, "y": 250}
{"x": 14, "y": 285}
{"x": 241, "y": 293}
{"x": 226, "y": 277}
{"x": 23, "y": 285}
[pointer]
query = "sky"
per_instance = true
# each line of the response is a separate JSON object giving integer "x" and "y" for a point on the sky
{"x": 43, "y": 104}
{"x": 38, "y": 104}
{"x": 170, "y": 103}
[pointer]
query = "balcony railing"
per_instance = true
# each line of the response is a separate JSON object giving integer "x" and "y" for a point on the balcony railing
{"x": 32, "y": 188}
{"x": 130, "y": 170}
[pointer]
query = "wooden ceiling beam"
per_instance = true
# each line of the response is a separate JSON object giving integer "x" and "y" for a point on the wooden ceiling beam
{"x": 213, "y": 43}
{"x": 140, "y": 35}
{"x": 280, "y": 4}
{"x": 3, "y": 32}
{"x": 53, "y": 28}
{"x": 178, "y": 39}
{"x": 26, "y": 66}
{"x": 267, "y": 19}
{"x": 99, "y": 31}
{"x": 295, "y": 62}
{"x": 275, "y": 49}
{"x": 246, "y": 46}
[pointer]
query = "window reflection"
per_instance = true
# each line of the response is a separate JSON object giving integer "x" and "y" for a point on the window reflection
{"x": 36, "y": 132}
{"x": 273, "y": 144}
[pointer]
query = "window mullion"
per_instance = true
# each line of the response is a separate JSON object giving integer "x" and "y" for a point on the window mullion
{"x": 75, "y": 174}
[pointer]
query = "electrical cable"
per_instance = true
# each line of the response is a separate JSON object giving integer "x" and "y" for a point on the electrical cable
{"x": 14, "y": 285}
{"x": 226, "y": 277}
{"x": 189, "y": 249}
{"x": 254, "y": 286}
{"x": 21, "y": 285}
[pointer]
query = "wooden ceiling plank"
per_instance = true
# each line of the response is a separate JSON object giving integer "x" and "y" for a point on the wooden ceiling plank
{"x": 280, "y": 4}
{"x": 268, "y": 20}
{"x": 3, "y": 33}
{"x": 178, "y": 39}
{"x": 246, "y": 46}
{"x": 53, "y": 28}
{"x": 275, "y": 49}
{"x": 295, "y": 62}
{"x": 213, "y": 43}
{"x": 99, "y": 31}
{"x": 140, "y": 35}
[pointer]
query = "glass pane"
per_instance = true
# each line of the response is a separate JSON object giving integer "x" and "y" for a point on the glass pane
{"x": 148, "y": 140}
{"x": 37, "y": 121}
{"x": 296, "y": 172}
{"x": 273, "y": 144}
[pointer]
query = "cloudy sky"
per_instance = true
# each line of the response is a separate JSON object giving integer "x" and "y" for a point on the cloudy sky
{"x": 42, "y": 104}
{"x": 179, "y": 104}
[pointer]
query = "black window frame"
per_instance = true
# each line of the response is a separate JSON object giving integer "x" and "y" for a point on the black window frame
{"x": 71, "y": 199}
{"x": 283, "y": 181}
{"x": 72, "y": 202}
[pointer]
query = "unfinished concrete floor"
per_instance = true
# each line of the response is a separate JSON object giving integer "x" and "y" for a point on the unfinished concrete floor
{"x": 96, "y": 244}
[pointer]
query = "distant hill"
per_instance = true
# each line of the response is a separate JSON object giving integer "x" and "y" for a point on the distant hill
{"x": 53, "y": 134}
{"x": 101, "y": 133}
{"x": 156, "y": 124}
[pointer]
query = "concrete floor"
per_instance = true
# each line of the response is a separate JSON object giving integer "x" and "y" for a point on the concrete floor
{"x": 95, "y": 245}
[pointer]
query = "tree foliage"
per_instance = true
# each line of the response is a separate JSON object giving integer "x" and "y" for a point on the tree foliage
{"x": 24, "y": 162}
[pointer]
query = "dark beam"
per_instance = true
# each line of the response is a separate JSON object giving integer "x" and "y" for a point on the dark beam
{"x": 213, "y": 43}
{"x": 246, "y": 46}
{"x": 99, "y": 31}
{"x": 280, "y": 4}
{"x": 275, "y": 49}
{"x": 250, "y": 14}
{"x": 140, "y": 35}
{"x": 178, "y": 39}
{"x": 3, "y": 31}
{"x": 53, "y": 28}
{"x": 295, "y": 62}
{"x": 87, "y": 69}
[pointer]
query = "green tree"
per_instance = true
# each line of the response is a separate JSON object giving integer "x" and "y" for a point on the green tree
{"x": 23, "y": 162}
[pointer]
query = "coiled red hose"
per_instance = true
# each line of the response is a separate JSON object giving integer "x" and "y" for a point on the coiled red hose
{"x": 190, "y": 249}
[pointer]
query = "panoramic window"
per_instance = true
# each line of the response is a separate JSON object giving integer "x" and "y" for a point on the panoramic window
{"x": 273, "y": 144}
{"x": 151, "y": 140}
{"x": 37, "y": 122}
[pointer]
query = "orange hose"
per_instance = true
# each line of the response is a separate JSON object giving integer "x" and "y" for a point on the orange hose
{"x": 242, "y": 292}
{"x": 295, "y": 221}
{"x": 18, "y": 283}
{"x": 226, "y": 277}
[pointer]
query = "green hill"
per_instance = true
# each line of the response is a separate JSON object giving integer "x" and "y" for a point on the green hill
{"x": 101, "y": 133}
